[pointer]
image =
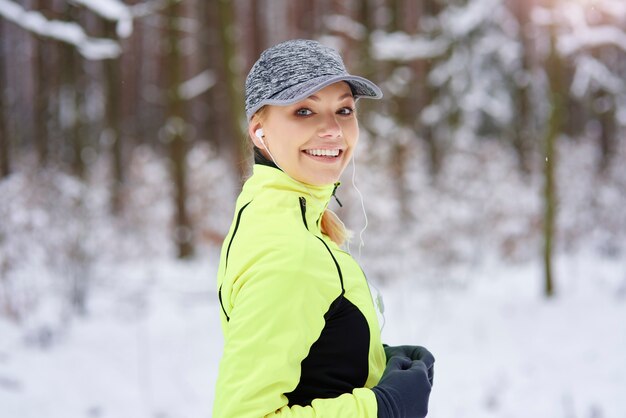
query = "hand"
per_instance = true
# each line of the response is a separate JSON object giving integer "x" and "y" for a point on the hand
{"x": 404, "y": 389}
{"x": 413, "y": 352}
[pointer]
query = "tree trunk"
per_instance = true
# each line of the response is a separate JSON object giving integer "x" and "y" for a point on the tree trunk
{"x": 70, "y": 102}
{"x": 523, "y": 132}
{"x": 41, "y": 90}
{"x": 112, "y": 115}
{"x": 555, "y": 122}
{"x": 430, "y": 8}
{"x": 257, "y": 31}
{"x": 208, "y": 122}
{"x": 176, "y": 131}
{"x": 5, "y": 142}
{"x": 608, "y": 131}
{"x": 232, "y": 81}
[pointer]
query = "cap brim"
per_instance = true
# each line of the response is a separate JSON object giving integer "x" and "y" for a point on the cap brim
{"x": 361, "y": 87}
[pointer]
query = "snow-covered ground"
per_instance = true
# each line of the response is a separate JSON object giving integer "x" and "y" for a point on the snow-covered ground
{"x": 502, "y": 350}
{"x": 150, "y": 342}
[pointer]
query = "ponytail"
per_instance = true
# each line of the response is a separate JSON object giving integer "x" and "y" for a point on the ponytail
{"x": 332, "y": 226}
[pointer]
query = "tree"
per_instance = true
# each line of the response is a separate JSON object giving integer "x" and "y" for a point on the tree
{"x": 232, "y": 81}
{"x": 175, "y": 128}
{"x": 112, "y": 132}
{"x": 523, "y": 130}
{"x": 71, "y": 99}
{"x": 41, "y": 77}
{"x": 5, "y": 143}
{"x": 555, "y": 122}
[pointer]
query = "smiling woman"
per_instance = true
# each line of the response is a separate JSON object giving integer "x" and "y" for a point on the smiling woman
{"x": 312, "y": 140}
{"x": 301, "y": 334}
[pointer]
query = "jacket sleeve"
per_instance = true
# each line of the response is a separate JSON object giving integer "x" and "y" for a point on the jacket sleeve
{"x": 277, "y": 313}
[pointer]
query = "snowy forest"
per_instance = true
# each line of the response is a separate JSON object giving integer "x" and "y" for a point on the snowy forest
{"x": 492, "y": 175}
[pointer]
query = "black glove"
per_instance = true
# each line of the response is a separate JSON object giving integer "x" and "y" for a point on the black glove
{"x": 404, "y": 389}
{"x": 414, "y": 352}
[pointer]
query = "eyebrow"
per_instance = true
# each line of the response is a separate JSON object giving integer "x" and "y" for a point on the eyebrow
{"x": 317, "y": 99}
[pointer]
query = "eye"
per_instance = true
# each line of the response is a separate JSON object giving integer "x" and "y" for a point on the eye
{"x": 346, "y": 111}
{"x": 304, "y": 112}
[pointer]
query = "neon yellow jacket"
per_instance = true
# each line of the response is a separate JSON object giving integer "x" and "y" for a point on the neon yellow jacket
{"x": 301, "y": 335}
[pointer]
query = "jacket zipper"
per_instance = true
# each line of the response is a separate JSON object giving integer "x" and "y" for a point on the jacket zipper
{"x": 335, "y": 196}
{"x": 303, "y": 211}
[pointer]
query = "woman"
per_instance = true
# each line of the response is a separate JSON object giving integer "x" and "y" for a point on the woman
{"x": 301, "y": 336}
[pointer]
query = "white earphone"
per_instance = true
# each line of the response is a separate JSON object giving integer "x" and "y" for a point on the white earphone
{"x": 259, "y": 133}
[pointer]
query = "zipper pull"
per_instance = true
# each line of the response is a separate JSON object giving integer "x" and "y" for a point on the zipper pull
{"x": 335, "y": 196}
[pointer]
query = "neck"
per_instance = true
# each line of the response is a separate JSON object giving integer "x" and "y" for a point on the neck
{"x": 260, "y": 158}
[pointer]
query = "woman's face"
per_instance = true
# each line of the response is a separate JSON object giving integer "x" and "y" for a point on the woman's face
{"x": 312, "y": 140}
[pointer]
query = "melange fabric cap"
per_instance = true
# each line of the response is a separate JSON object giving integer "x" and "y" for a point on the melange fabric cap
{"x": 293, "y": 70}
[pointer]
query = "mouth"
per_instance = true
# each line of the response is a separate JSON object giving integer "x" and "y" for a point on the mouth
{"x": 324, "y": 154}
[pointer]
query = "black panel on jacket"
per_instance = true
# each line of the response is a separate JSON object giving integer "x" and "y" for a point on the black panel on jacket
{"x": 338, "y": 361}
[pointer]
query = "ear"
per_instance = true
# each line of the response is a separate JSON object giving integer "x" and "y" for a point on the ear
{"x": 252, "y": 127}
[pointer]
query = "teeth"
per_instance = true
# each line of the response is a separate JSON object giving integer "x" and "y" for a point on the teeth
{"x": 323, "y": 152}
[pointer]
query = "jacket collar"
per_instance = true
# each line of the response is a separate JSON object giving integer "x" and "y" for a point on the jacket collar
{"x": 268, "y": 177}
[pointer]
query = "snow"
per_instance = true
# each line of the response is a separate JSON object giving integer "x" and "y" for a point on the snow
{"x": 400, "y": 46}
{"x": 460, "y": 21}
{"x": 587, "y": 38}
{"x": 197, "y": 85}
{"x": 150, "y": 343}
{"x": 113, "y": 10}
{"x": 461, "y": 275}
{"x": 589, "y": 69}
{"x": 501, "y": 349}
{"x": 69, "y": 32}
{"x": 343, "y": 24}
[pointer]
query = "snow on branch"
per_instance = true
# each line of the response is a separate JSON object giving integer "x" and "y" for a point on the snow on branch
{"x": 460, "y": 21}
{"x": 197, "y": 85}
{"x": 69, "y": 32}
{"x": 148, "y": 8}
{"x": 113, "y": 10}
{"x": 400, "y": 46}
{"x": 347, "y": 26}
{"x": 590, "y": 69}
{"x": 578, "y": 34}
{"x": 590, "y": 37}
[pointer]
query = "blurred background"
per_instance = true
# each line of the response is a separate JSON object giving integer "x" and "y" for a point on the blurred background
{"x": 492, "y": 172}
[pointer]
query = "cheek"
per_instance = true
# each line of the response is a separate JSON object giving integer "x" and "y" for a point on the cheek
{"x": 352, "y": 135}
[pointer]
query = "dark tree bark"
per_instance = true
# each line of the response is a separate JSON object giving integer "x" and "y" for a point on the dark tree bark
{"x": 256, "y": 31}
{"x": 608, "y": 132}
{"x": 232, "y": 87}
{"x": 604, "y": 108}
{"x": 210, "y": 125}
{"x": 523, "y": 133}
{"x": 112, "y": 80}
{"x": 427, "y": 93}
{"x": 41, "y": 83}
{"x": 71, "y": 99}
{"x": 176, "y": 131}
{"x": 555, "y": 125}
{"x": 5, "y": 142}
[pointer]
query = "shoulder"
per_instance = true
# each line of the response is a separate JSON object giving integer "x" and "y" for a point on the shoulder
{"x": 270, "y": 233}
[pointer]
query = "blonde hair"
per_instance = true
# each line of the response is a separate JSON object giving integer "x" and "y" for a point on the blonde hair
{"x": 330, "y": 224}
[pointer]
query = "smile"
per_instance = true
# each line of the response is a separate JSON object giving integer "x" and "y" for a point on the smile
{"x": 323, "y": 152}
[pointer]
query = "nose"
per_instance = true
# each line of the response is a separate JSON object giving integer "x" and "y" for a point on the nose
{"x": 330, "y": 127}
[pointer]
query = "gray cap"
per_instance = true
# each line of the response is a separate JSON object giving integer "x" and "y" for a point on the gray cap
{"x": 293, "y": 70}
